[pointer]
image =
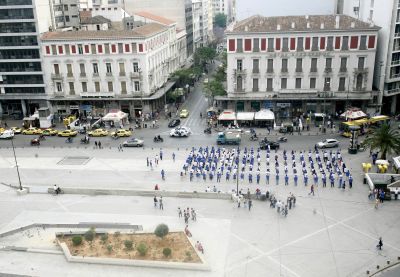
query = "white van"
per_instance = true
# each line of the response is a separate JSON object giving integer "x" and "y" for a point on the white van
{"x": 7, "y": 134}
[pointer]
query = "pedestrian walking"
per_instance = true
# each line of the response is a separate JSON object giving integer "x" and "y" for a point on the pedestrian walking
{"x": 161, "y": 203}
{"x": 95, "y": 144}
{"x": 99, "y": 143}
{"x": 250, "y": 204}
{"x": 350, "y": 181}
{"x": 155, "y": 201}
{"x": 163, "y": 174}
{"x": 173, "y": 156}
{"x": 380, "y": 244}
{"x": 312, "y": 190}
{"x": 161, "y": 154}
{"x": 151, "y": 164}
{"x": 179, "y": 212}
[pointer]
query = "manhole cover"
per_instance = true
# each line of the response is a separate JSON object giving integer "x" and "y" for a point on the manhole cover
{"x": 79, "y": 160}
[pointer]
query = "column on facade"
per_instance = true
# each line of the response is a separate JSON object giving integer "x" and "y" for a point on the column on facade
{"x": 23, "y": 106}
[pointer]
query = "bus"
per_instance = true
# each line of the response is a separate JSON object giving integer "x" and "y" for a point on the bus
{"x": 379, "y": 120}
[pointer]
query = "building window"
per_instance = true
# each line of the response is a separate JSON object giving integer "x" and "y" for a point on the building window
{"x": 283, "y": 83}
{"x": 361, "y": 62}
{"x": 110, "y": 86}
{"x": 299, "y": 65}
{"x": 255, "y": 84}
{"x": 270, "y": 45}
{"x": 343, "y": 64}
{"x": 84, "y": 87}
{"x": 363, "y": 43}
{"x": 137, "y": 86}
{"x": 345, "y": 43}
{"x": 298, "y": 83}
{"x": 329, "y": 45}
{"x": 314, "y": 45}
{"x": 56, "y": 69}
{"x": 313, "y": 82}
{"x": 239, "y": 65}
{"x": 135, "y": 67}
{"x": 239, "y": 83}
{"x": 69, "y": 70}
{"x": 95, "y": 68}
{"x": 108, "y": 66}
{"x": 270, "y": 65}
{"x": 82, "y": 69}
{"x": 328, "y": 64}
{"x": 256, "y": 47}
{"x": 256, "y": 67}
{"x": 80, "y": 49}
{"x": 97, "y": 86}
{"x": 314, "y": 62}
{"x": 66, "y": 18}
{"x": 284, "y": 65}
{"x": 342, "y": 82}
{"x": 59, "y": 86}
{"x": 121, "y": 69}
{"x": 327, "y": 84}
{"x": 359, "y": 82}
{"x": 269, "y": 84}
{"x": 123, "y": 87}
{"x": 71, "y": 88}
{"x": 285, "y": 44}
{"x": 300, "y": 42}
{"x": 239, "y": 45}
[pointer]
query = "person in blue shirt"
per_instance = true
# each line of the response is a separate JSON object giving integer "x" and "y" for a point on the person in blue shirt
{"x": 163, "y": 174}
{"x": 250, "y": 178}
{"x": 258, "y": 178}
{"x": 332, "y": 179}
{"x": 350, "y": 181}
{"x": 295, "y": 178}
{"x": 305, "y": 180}
{"x": 286, "y": 180}
{"x": 277, "y": 178}
{"x": 267, "y": 176}
{"x": 324, "y": 180}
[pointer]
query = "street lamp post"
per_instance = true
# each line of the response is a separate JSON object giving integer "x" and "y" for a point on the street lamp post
{"x": 16, "y": 164}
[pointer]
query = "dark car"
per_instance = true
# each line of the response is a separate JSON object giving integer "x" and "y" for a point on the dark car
{"x": 272, "y": 144}
{"x": 174, "y": 122}
{"x": 286, "y": 129}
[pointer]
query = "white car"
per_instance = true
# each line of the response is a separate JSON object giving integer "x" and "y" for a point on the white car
{"x": 7, "y": 134}
{"x": 328, "y": 143}
{"x": 180, "y": 132}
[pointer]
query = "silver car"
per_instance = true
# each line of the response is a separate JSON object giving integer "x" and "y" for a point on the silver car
{"x": 133, "y": 142}
{"x": 328, "y": 143}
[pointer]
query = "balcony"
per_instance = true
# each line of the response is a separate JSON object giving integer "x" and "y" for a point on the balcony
{"x": 240, "y": 71}
{"x": 135, "y": 75}
{"x": 313, "y": 70}
{"x": 256, "y": 70}
{"x": 56, "y": 76}
{"x": 284, "y": 70}
{"x": 343, "y": 69}
{"x": 270, "y": 70}
{"x": 97, "y": 94}
{"x": 394, "y": 76}
{"x": 96, "y": 75}
{"x": 70, "y": 75}
{"x": 82, "y": 75}
{"x": 109, "y": 74}
{"x": 122, "y": 74}
{"x": 299, "y": 70}
{"x": 328, "y": 70}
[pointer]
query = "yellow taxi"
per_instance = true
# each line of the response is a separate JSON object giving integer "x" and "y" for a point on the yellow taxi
{"x": 50, "y": 132}
{"x": 98, "y": 133}
{"x": 121, "y": 133}
{"x": 67, "y": 133}
{"x": 184, "y": 113}
{"x": 16, "y": 130}
{"x": 1, "y": 130}
{"x": 32, "y": 131}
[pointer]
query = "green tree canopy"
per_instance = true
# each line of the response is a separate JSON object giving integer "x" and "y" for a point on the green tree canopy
{"x": 214, "y": 88}
{"x": 220, "y": 20}
{"x": 384, "y": 139}
{"x": 204, "y": 55}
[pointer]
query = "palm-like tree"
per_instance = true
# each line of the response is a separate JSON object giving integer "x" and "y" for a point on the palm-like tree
{"x": 385, "y": 139}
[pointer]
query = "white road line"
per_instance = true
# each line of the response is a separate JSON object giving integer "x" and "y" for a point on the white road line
{"x": 296, "y": 240}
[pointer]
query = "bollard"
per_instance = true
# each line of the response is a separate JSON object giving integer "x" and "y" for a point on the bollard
{"x": 377, "y": 267}
{"x": 388, "y": 262}
{"x": 367, "y": 272}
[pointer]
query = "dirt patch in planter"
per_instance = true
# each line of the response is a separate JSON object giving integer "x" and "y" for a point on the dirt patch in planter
{"x": 181, "y": 249}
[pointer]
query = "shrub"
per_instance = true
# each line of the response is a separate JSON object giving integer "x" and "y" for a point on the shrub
{"x": 109, "y": 248}
{"x": 128, "y": 244}
{"x": 76, "y": 240}
{"x": 161, "y": 230}
{"x": 167, "y": 252}
{"x": 142, "y": 249}
{"x": 188, "y": 255}
{"x": 90, "y": 234}
{"x": 117, "y": 234}
{"x": 104, "y": 237}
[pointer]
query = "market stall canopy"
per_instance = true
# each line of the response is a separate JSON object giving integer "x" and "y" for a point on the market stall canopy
{"x": 227, "y": 115}
{"x": 319, "y": 115}
{"x": 353, "y": 114}
{"x": 396, "y": 161}
{"x": 245, "y": 116}
{"x": 115, "y": 116}
{"x": 264, "y": 115}
{"x": 382, "y": 162}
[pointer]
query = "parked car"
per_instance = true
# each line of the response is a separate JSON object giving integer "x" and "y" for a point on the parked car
{"x": 272, "y": 144}
{"x": 121, "y": 133}
{"x": 328, "y": 143}
{"x": 98, "y": 133}
{"x": 133, "y": 142}
{"x": 184, "y": 113}
{"x": 7, "y": 134}
{"x": 16, "y": 130}
{"x": 179, "y": 132}
{"x": 286, "y": 128}
{"x": 50, "y": 132}
{"x": 174, "y": 122}
{"x": 32, "y": 131}
{"x": 67, "y": 133}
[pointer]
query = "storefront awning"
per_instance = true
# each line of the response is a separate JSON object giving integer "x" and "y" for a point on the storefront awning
{"x": 396, "y": 161}
{"x": 264, "y": 115}
{"x": 227, "y": 115}
{"x": 245, "y": 116}
{"x": 115, "y": 116}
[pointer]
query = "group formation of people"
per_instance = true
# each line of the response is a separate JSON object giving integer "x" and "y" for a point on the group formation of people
{"x": 281, "y": 206}
{"x": 311, "y": 167}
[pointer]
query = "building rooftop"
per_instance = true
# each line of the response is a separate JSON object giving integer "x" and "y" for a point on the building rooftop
{"x": 98, "y": 19}
{"x": 139, "y": 32}
{"x": 259, "y": 23}
{"x": 154, "y": 17}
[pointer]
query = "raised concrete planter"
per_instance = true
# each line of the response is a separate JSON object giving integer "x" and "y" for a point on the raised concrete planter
{"x": 22, "y": 191}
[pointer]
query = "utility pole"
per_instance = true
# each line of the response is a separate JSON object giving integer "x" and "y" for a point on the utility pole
{"x": 16, "y": 164}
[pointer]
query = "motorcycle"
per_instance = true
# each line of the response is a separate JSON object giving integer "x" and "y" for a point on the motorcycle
{"x": 138, "y": 126}
{"x": 42, "y": 137}
{"x": 254, "y": 137}
{"x": 282, "y": 139}
{"x": 35, "y": 142}
{"x": 85, "y": 141}
{"x": 207, "y": 131}
{"x": 68, "y": 140}
{"x": 158, "y": 139}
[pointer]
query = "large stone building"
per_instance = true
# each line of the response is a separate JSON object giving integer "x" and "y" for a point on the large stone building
{"x": 297, "y": 64}
{"x": 95, "y": 71}
{"x": 386, "y": 14}
{"x": 22, "y": 88}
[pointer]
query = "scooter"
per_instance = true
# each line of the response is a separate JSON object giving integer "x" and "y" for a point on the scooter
{"x": 35, "y": 142}
{"x": 207, "y": 131}
{"x": 158, "y": 139}
{"x": 254, "y": 137}
{"x": 85, "y": 141}
{"x": 282, "y": 139}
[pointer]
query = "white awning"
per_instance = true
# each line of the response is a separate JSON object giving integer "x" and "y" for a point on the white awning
{"x": 396, "y": 161}
{"x": 319, "y": 115}
{"x": 264, "y": 115}
{"x": 115, "y": 116}
{"x": 227, "y": 115}
{"x": 245, "y": 116}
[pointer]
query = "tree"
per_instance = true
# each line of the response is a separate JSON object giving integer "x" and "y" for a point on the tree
{"x": 385, "y": 139}
{"x": 220, "y": 20}
{"x": 161, "y": 230}
{"x": 203, "y": 55}
{"x": 214, "y": 88}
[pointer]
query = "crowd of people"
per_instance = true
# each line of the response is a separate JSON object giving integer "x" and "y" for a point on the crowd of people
{"x": 318, "y": 167}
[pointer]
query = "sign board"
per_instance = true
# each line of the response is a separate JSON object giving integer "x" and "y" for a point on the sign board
{"x": 283, "y": 105}
{"x": 74, "y": 107}
{"x": 268, "y": 104}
